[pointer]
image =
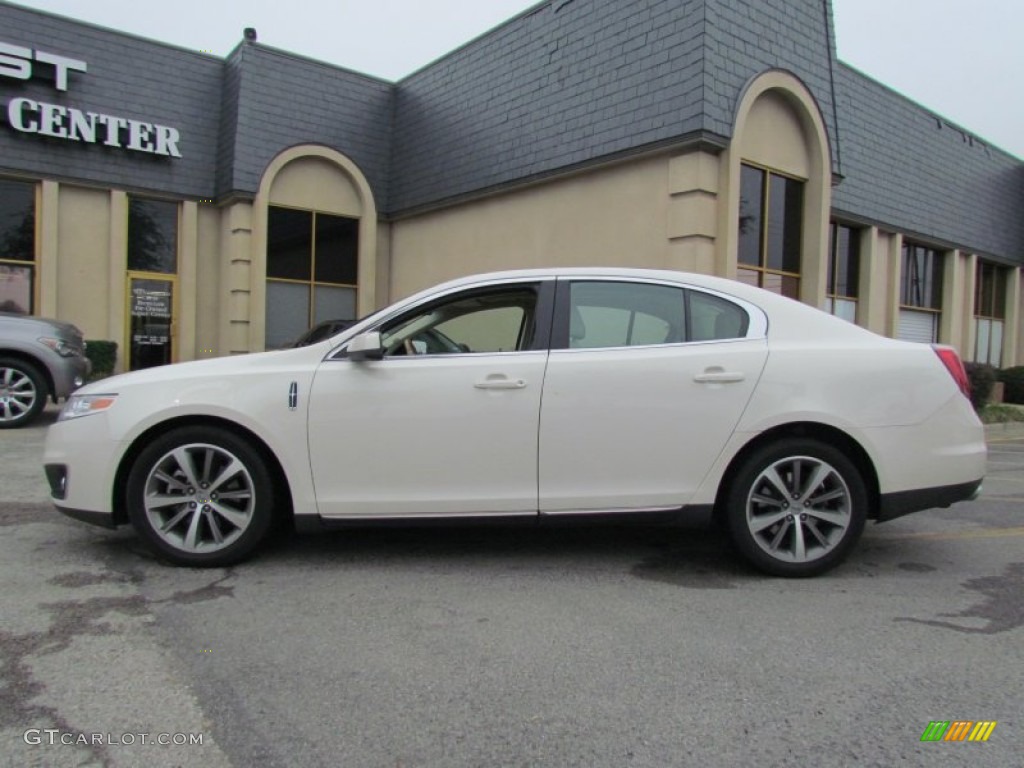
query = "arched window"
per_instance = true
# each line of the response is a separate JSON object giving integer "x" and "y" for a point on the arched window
{"x": 315, "y": 238}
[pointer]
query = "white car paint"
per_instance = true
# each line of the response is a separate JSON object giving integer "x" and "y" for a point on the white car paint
{"x": 531, "y": 432}
{"x": 374, "y": 430}
{"x": 637, "y": 428}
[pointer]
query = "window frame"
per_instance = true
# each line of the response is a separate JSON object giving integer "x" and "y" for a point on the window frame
{"x": 997, "y": 311}
{"x": 543, "y": 310}
{"x": 832, "y": 272}
{"x": 32, "y": 265}
{"x": 761, "y": 271}
{"x": 312, "y": 283}
{"x": 938, "y": 277}
{"x": 756, "y": 325}
{"x": 999, "y": 290}
{"x": 175, "y": 250}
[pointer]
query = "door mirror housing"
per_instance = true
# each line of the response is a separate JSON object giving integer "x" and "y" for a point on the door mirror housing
{"x": 366, "y": 346}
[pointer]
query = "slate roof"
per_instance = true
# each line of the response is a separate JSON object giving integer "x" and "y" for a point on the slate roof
{"x": 910, "y": 169}
{"x": 570, "y": 82}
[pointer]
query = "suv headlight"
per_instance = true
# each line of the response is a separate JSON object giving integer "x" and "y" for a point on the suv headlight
{"x": 85, "y": 405}
{"x": 59, "y": 346}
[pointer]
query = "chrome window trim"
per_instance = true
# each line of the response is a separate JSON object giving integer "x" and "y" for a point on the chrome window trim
{"x": 757, "y": 328}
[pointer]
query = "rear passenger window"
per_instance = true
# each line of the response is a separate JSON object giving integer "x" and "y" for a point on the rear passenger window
{"x": 713, "y": 318}
{"x": 611, "y": 314}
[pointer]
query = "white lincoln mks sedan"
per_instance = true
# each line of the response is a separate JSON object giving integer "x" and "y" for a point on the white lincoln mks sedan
{"x": 535, "y": 396}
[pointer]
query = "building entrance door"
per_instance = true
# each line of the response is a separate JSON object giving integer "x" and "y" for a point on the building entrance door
{"x": 151, "y": 321}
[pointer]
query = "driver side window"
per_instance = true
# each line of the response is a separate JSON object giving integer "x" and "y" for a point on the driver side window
{"x": 499, "y": 320}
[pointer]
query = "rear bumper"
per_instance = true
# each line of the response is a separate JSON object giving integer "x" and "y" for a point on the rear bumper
{"x": 893, "y": 505}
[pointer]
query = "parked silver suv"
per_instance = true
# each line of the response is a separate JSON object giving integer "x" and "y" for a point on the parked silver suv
{"x": 39, "y": 358}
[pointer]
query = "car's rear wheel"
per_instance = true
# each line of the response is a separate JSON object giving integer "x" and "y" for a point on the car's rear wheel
{"x": 22, "y": 392}
{"x": 201, "y": 496}
{"x": 796, "y": 507}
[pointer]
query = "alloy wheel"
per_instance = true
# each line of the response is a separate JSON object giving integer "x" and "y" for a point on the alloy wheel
{"x": 199, "y": 498}
{"x": 18, "y": 394}
{"x": 798, "y": 509}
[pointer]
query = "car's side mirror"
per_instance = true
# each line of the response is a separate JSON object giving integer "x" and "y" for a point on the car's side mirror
{"x": 366, "y": 346}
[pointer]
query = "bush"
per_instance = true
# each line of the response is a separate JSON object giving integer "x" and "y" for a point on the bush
{"x": 982, "y": 378}
{"x": 1013, "y": 381}
{"x": 997, "y": 413}
{"x": 103, "y": 355}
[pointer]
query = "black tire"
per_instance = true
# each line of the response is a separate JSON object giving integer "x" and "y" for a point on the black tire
{"x": 227, "y": 497}
{"x": 796, "y": 507}
{"x": 23, "y": 393}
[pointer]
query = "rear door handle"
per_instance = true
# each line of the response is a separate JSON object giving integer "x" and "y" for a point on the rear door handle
{"x": 500, "y": 381}
{"x": 718, "y": 376}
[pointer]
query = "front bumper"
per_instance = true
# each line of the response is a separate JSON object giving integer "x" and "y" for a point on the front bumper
{"x": 69, "y": 373}
{"x": 80, "y": 460}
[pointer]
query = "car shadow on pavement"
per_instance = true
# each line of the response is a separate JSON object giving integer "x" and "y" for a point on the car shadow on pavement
{"x": 692, "y": 558}
{"x": 677, "y": 556}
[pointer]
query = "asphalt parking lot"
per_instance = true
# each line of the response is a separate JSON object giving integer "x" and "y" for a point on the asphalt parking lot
{"x": 495, "y": 647}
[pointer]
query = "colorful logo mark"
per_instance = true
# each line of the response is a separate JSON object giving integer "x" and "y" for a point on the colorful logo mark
{"x": 958, "y": 730}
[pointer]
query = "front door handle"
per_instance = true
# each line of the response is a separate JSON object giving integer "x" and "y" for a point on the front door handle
{"x": 500, "y": 381}
{"x": 718, "y": 375}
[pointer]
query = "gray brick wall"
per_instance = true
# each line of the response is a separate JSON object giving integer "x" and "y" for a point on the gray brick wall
{"x": 744, "y": 38}
{"x": 128, "y": 77}
{"x": 910, "y": 170}
{"x": 231, "y": 88}
{"x": 564, "y": 83}
{"x": 279, "y": 100}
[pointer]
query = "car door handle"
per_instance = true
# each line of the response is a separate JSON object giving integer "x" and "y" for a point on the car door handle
{"x": 499, "y": 381}
{"x": 718, "y": 376}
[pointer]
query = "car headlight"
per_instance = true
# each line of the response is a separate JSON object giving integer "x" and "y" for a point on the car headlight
{"x": 59, "y": 346}
{"x": 85, "y": 405}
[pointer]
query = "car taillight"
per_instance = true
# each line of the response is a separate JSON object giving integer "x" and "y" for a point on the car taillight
{"x": 951, "y": 360}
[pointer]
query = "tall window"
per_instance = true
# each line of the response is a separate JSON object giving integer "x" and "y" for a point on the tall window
{"x": 771, "y": 224}
{"x": 843, "y": 271}
{"x": 989, "y": 313}
{"x": 152, "y": 250}
{"x": 920, "y": 293}
{"x": 312, "y": 264}
{"x": 17, "y": 246}
{"x": 152, "y": 235}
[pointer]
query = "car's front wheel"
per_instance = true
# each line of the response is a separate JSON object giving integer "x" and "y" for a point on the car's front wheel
{"x": 796, "y": 507}
{"x": 201, "y": 496}
{"x": 22, "y": 393}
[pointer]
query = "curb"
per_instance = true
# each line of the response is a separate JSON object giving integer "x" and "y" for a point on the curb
{"x": 1011, "y": 430}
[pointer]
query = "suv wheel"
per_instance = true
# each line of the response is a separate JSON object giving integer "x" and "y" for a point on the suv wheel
{"x": 22, "y": 392}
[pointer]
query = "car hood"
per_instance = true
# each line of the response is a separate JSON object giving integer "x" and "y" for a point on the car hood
{"x": 41, "y": 324}
{"x": 256, "y": 363}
